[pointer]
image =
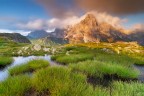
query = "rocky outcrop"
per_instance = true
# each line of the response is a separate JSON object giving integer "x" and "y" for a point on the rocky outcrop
{"x": 16, "y": 37}
{"x": 90, "y": 30}
{"x": 58, "y": 33}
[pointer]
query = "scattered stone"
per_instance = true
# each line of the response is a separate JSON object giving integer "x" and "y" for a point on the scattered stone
{"x": 37, "y": 47}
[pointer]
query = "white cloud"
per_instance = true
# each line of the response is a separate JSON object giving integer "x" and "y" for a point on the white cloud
{"x": 113, "y": 20}
{"x": 70, "y": 21}
{"x": 101, "y": 17}
{"x": 138, "y": 26}
{"x": 32, "y": 25}
{"x": 22, "y": 32}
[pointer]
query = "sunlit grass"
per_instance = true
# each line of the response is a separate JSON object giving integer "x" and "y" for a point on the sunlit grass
{"x": 60, "y": 81}
{"x": 15, "y": 86}
{"x": 5, "y": 61}
{"x": 66, "y": 59}
{"x": 29, "y": 67}
{"x": 127, "y": 89}
{"x": 99, "y": 69}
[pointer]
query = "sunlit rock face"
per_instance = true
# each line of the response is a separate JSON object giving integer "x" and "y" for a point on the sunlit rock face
{"x": 90, "y": 30}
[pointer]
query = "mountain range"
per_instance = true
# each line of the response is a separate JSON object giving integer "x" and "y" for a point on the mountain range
{"x": 90, "y": 30}
{"x": 87, "y": 30}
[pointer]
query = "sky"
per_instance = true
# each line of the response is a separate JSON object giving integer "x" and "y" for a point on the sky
{"x": 23, "y": 16}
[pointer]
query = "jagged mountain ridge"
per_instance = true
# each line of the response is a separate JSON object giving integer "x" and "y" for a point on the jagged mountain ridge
{"x": 90, "y": 30}
{"x": 57, "y": 36}
{"x": 16, "y": 37}
{"x": 37, "y": 34}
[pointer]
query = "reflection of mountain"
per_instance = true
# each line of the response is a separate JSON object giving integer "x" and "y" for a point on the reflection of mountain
{"x": 90, "y": 30}
{"x": 16, "y": 37}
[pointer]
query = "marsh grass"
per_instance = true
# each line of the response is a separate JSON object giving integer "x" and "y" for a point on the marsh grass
{"x": 99, "y": 69}
{"x": 15, "y": 86}
{"x": 60, "y": 81}
{"x": 127, "y": 89}
{"x": 66, "y": 59}
{"x": 5, "y": 61}
{"x": 29, "y": 67}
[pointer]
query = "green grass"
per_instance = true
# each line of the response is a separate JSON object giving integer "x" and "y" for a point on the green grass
{"x": 73, "y": 58}
{"x": 99, "y": 69}
{"x": 127, "y": 89}
{"x": 29, "y": 67}
{"x": 59, "y": 81}
{"x": 15, "y": 86}
{"x": 5, "y": 61}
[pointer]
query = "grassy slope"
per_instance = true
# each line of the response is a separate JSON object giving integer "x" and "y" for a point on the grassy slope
{"x": 7, "y": 47}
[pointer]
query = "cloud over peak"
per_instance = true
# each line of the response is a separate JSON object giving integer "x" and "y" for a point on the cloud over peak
{"x": 66, "y": 8}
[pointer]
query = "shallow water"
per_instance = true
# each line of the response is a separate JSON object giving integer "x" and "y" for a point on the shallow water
{"x": 141, "y": 69}
{"x": 22, "y": 60}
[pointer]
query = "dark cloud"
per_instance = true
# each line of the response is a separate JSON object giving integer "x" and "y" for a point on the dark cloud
{"x": 59, "y": 8}
{"x": 64, "y": 8}
{"x": 122, "y": 7}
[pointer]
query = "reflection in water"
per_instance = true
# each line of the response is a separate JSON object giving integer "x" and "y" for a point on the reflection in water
{"x": 141, "y": 69}
{"x": 22, "y": 60}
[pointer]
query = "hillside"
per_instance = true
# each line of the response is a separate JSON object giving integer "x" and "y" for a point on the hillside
{"x": 16, "y": 37}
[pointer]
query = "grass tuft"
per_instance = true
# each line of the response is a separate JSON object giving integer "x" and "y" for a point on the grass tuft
{"x": 15, "y": 86}
{"x": 29, "y": 67}
{"x": 5, "y": 61}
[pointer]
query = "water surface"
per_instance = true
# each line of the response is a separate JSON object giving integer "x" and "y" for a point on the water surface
{"x": 23, "y": 60}
{"x": 141, "y": 69}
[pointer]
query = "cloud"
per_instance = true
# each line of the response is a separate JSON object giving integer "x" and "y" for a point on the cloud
{"x": 138, "y": 26}
{"x": 63, "y": 23}
{"x": 32, "y": 25}
{"x": 66, "y": 8}
{"x": 105, "y": 17}
{"x": 59, "y": 8}
{"x": 53, "y": 23}
{"x": 101, "y": 17}
{"x": 22, "y": 32}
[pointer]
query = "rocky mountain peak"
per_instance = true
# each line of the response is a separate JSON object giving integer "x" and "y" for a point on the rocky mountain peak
{"x": 90, "y": 30}
{"x": 90, "y": 20}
